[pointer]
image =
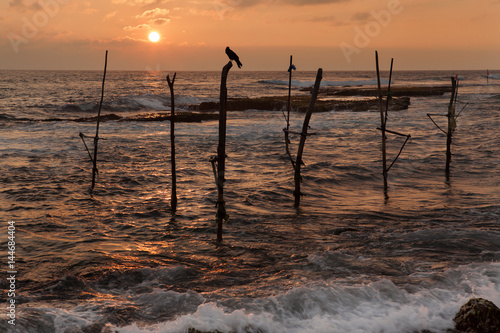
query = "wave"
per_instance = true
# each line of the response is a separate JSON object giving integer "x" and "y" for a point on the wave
{"x": 379, "y": 306}
{"x": 306, "y": 84}
{"x": 139, "y": 303}
{"x": 492, "y": 76}
{"x": 149, "y": 102}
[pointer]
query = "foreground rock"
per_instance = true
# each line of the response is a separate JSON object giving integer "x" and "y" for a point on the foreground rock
{"x": 478, "y": 316}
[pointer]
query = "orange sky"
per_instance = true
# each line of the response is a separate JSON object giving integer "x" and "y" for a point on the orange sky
{"x": 332, "y": 34}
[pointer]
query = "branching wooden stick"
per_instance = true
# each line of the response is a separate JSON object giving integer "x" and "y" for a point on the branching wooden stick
{"x": 440, "y": 115}
{"x": 458, "y": 115}
{"x": 383, "y": 127}
{"x": 82, "y": 136}
{"x": 400, "y": 150}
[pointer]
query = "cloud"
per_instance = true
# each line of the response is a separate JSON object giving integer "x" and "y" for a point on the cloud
{"x": 137, "y": 27}
{"x": 139, "y": 2}
{"x": 90, "y": 11}
{"x": 332, "y": 20}
{"x": 249, "y": 3}
{"x": 361, "y": 16}
{"x": 155, "y": 16}
{"x": 126, "y": 41}
{"x": 20, "y": 5}
{"x": 159, "y": 21}
{"x": 133, "y": 2}
{"x": 110, "y": 15}
{"x": 16, "y": 3}
{"x": 311, "y": 2}
{"x": 154, "y": 13}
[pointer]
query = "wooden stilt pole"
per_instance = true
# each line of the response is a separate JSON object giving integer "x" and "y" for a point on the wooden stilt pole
{"x": 451, "y": 125}
{"x": 303, "y": 137}
{"x": 383, "y": 118}
{"x": 96, "y": 138}
{"x": 173, "y": 199}
{"x": 288, "y": 107}
{"x": 221, "y": 153}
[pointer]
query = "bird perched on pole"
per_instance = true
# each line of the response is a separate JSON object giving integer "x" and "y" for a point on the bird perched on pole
{"x": 233, "y": 56}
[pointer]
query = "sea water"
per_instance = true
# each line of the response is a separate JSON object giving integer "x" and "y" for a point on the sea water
{"x": 347, "y": 260}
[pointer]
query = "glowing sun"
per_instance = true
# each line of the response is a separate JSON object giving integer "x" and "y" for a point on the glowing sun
{"x": 154, "y": 36}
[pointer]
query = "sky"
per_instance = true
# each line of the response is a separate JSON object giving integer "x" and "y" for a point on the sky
{"x": 331, "y": 34}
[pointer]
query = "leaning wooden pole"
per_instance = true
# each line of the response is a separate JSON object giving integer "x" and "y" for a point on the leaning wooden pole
{"x": 173, "y": 198}
{"x": 221, "y": 153}
{"x": 382, "y": 126}
{"x": 451, "y": 125}
{"x": 303, "y": 137}
{"x": 96, "y": 138}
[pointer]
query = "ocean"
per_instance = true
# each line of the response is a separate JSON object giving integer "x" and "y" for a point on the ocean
{"x": 347, "y": 260}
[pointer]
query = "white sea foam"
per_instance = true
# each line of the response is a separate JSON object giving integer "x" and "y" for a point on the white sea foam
{"x": 492, "y": 76}
{"x": 380, "y": 306}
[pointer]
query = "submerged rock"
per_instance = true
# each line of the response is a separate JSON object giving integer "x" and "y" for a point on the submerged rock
{"x": 478, "y": 315}
{"x": 242, "y": 104}
{"x": 301, "y": 104}
{"x": 185, "y": 117}
{"x": 395, "y": 91}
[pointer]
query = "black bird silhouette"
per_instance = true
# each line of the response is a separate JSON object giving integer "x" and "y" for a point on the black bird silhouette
{"x": 233, "y": 56}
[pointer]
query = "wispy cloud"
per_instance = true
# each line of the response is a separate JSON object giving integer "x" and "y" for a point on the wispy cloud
{"x": 137, "y": 27}
{"x": 16, "y": 3}
{"x": 110, "y": 15}
{"x": 311, "y": 2}
{"x": 133, "y": 2}
{"x": 157, "y": 16}
{"x": 330, "y": 19}
{"x": 138, "y": 2}
{"x": 21, "y": 5}
{"x": 361, "y": 16}
{"x": 248, "y": 3}
{"x": 159, "y": 21}
{"x": 154, "y": 13}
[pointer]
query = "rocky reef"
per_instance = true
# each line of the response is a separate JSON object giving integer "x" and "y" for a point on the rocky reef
{"x": 301, "y": 103}
{"x": 417, "y": 91}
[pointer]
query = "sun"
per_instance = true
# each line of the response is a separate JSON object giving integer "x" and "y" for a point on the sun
{"x": 154, "y": 36}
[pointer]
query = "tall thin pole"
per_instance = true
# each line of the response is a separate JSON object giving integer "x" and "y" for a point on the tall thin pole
{"x": 288, "y": 106}
{"x": 96, "y": 138}
{"x": 221, "y": 152}
{"x": 173, "y": 199}
{"x": 382, "y": 127}
{"x": 303, "y": 137}
{"x": 451, "y": 125}
{"x": 388, "y": 99}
